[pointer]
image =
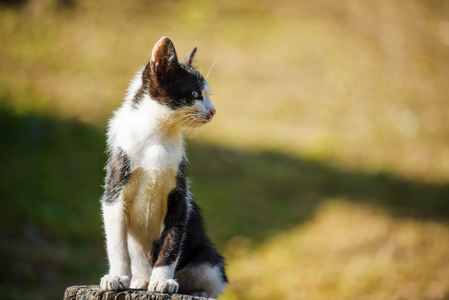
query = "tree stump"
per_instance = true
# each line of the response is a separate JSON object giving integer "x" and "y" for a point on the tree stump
{"x": 94, "y": 292}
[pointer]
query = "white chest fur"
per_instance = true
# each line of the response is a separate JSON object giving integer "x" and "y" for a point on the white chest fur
{"x": 155, "y": 153}
{"x": 145, "y": 137}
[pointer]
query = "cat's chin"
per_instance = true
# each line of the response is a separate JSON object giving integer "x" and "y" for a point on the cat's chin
{"x": 197, "y": 124}
{"x": 202, "y": 122}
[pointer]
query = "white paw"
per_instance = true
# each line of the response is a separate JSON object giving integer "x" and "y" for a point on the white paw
{"x": 164, "y": 286}
{"x": 139, "y": 284}
{"x": 109, "y": 282}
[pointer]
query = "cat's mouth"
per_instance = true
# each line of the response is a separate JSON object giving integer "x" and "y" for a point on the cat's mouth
{"x": 201, "y": 121}
{"x": 192, "y": 119}
{"x": 204, "y": 118}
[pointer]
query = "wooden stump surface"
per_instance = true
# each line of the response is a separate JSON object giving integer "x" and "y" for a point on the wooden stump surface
{"x": 93, "y": 292}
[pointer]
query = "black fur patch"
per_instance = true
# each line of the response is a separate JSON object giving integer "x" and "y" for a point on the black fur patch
{"x": 175, "y": 90}
{"x": 168, "y": 247}
{"x": 169, "y": 82}
{"x": 117, "y": 174}
{"x": 197, "y": 248}
{"x": 183, "y": 236}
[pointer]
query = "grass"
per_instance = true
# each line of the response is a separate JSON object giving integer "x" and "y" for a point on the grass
{"x": 324, "y": 174}
{"x": 50, "y": 189}
{"x": 349, "y": 250}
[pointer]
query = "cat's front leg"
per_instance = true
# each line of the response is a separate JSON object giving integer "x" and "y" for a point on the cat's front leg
{"x": 114, "y": 218}
{"x": 162, "y": 278}
{"x": 119, "y": 276}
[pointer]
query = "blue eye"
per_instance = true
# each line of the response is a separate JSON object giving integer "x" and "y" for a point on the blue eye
{"x": 195, "y": 94}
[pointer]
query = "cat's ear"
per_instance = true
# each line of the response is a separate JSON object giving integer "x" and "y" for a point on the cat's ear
{"x": 188, "y": 60}
{"x": 163, "y": 57}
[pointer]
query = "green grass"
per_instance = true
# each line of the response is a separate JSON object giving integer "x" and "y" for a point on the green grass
{"x": 50, "y": 188}
{"x": 330, "y": 115}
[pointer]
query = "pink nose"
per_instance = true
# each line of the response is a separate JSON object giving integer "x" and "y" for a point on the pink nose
{"x": 212, "y": 113}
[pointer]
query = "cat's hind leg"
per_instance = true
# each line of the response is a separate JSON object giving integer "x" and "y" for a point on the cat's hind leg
{"x": 201, "y": 280}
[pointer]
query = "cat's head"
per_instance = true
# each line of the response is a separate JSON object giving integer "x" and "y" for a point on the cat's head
{"x": 177, "y": 85}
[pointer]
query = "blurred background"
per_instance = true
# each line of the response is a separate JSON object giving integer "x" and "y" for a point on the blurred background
{"x": 325, "y": 174}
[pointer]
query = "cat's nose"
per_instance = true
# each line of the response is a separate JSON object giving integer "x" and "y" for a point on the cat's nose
{"x": 212, "y": 113}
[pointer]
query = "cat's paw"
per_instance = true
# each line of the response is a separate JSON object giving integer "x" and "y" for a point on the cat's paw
{"x": 163, "y": 286}
{"x": 112, "y": 283}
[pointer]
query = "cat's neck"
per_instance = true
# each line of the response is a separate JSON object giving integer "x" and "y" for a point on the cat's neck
{"x": 148, "y": 125}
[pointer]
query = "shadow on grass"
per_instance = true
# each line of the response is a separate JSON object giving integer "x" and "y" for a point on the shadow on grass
{"x": 50, "y": 186}
{"x": 260, "y": 194}
{"x": 51, "y": 183}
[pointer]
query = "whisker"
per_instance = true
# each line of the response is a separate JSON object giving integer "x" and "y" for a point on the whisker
{"x": 198, "y": 128}
{"x": 185, "y": 130}
{"x": 185, "y": 116}
{"x": 175, "y": 119}
{"x": 190, "y": 128}
{"x": 197, "y": 131}
{"x": 211, "y": 68}
{"x": 183, "y": 123}
{"x": 186, "y": 122}
{"x": 189, "y": 122}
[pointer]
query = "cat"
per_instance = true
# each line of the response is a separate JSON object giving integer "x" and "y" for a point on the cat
{"x": 155, "y": 236}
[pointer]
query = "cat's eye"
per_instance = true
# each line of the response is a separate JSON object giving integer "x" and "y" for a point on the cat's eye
{"x": 195, "y": 94}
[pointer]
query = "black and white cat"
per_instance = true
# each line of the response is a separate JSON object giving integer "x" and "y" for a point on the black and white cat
{"x": 154, "y": 231}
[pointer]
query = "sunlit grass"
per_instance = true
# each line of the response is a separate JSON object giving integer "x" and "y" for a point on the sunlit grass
{"x": 348, "y": 252}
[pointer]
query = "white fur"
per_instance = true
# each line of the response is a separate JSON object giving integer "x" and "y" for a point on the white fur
{"x": 109, "y": 282}
{"x": 162, "y": 279}
{"x": 197, "y": 280}
{"x": 115, "y": 228}
{"x": 119, "y": 275}
{"x": 140, "y": 264}
{"x": 207, "y": 104}
{"x": 142, "y": 134}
